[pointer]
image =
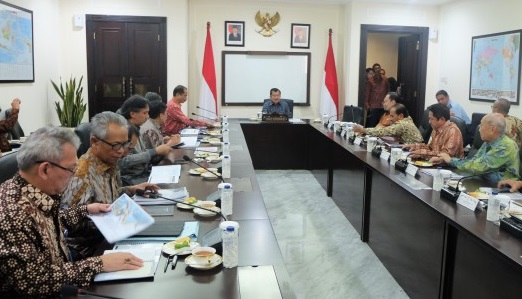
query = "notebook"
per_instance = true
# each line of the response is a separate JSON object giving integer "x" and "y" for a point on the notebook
{"x": 150, "y": 257}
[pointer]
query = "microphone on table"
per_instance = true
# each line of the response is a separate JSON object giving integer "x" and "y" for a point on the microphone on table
{"x": 452, "y": 193}
{"x": 150, "y": 194}
{"x": 68, "y": 290}
{"x": 217, "y": 116}
{"x": 188, "y": 159}
{"x": 402, "y": 164}
{"x": 198, "y": 115}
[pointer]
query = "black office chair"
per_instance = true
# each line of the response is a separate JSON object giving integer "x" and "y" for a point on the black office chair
{"x": 424, "y": 126}
{"x": 17, "y": 131}
{"x": 83, "y": 131}
{"x": 471, "y": 128}
{"x": 461, "y": 124}
{"x": 477, "y": 143}
{"x": 353, "y": 114}
{"x": 290, "y": 104}
{"x": 9, "y": 166}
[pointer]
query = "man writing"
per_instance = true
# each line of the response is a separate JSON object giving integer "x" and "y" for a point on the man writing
{"x": 497, "y": 152}
{"x": 401, "y": 126}
{"x": 275, "y": 105}
{"x": 176, "y": 119}
{"x": 34, "y": 258}
{"x": 445, "y": 137}
{"x": 513, "y": 123}
{"x": 97, "y": 179}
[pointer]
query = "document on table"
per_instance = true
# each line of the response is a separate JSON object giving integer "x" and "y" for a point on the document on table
{"x": 167, "y": 174}
{"x": 188, "y": 132}
{"x": 179, "y": 194}
{"x": 125, "y": 219}
{"x": 209, "y": 149}
{"x": 190, "y": 141}
{"x": 150, "y": 256}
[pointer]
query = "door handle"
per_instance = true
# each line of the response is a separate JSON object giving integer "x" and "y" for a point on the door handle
{"x": 123, "y": 86}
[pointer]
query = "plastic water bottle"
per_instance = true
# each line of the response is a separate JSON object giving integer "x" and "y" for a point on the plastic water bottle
{"x": 225, "y": 167}
{"x": 325, "y": 119}
{"x": 438, "y": 180}
{"x": 493, "y": 213}
{"x": 227, "y": 198}
{"x": 230, "y": 236}
{"x": 226, "y": 135}
{"x": 224, "y": 126}
{"x": 224, "y": 118}
{"x": 226, "y": 148}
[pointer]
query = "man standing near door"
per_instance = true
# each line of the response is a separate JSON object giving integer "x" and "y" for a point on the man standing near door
{"x": 376, "y": 89}
{"x": 176, "y": 119}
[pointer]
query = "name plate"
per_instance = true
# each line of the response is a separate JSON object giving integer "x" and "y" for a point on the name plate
{"x": 467, "y": 201}
{"x": 343, "y": 133}
{"x": 385, "y": 155}
{"x": 330, "y": 125}
{"x": 357, "y": 141}
{"x": 412, "y": 170}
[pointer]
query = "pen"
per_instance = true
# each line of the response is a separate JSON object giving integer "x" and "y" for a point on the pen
{"x": 174, "y": 263}
{"x": 169, "y": 260}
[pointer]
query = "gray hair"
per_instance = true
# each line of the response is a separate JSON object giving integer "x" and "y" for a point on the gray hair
{"x": 503, "y": 106}
{"x": 45, "y": 144}
{"x": 100, "y": 123}
{"x": 498, "y": 121}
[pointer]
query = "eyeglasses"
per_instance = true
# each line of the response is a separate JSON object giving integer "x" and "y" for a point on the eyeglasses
{"x": 72, "y": 171}
{"x": 116, "y": 146}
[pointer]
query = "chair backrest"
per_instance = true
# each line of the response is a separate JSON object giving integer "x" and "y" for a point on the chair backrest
{"x": 17, "y": 131}
{"x": 424, "y": 126}
{"x": 290, "y": 104}
{"x": 461, "y": 124}
{"x": 477, "y": 142}
{"x": 475, "y": 122}
{"x": 8, "y": 165}
{"x": 83, "y": 131}
{"x": 353, "y": 114}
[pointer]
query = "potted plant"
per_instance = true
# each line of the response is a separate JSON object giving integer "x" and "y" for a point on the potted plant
{"x": 73, "y": 108}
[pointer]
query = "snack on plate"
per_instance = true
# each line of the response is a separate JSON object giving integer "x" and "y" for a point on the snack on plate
{"x": 191, "y": 200}
{"x": 181, "y": 243}
{"x": 423, "y": 163}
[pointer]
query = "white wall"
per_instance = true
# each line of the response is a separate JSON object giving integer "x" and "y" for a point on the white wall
{"x": 321, "y": 17}
{"x": 459, "y": 23}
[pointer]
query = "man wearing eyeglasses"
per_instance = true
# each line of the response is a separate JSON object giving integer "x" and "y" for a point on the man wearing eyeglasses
{"x": 97, "y": 179}
{"x": 34, "y": 258}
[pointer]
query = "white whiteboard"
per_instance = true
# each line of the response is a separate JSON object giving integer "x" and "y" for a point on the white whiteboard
{"x": 247, "y": 77}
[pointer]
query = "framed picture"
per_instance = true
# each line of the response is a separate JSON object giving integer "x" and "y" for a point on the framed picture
{"x": 300, "y": 37}
{"x": 16, "y": 44}
{"x": 495, "y": 67}
{"x": 234, "y": 33}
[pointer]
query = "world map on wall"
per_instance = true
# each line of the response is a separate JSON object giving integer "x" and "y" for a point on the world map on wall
{"x": 16, "y": 44}
{"x": 495, "y": 64}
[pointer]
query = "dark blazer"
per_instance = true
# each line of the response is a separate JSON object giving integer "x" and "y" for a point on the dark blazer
{"x": 237, "y": 38}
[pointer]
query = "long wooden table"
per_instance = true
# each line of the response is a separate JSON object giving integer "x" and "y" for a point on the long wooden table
{"x": 432, "y": 247}
{"x": 257, "y": 243}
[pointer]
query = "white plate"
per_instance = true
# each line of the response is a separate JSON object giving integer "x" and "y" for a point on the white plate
{"x": 186, "y": 207}
{"x": 168, "y": 248}
{"x": 254, "y": 118}
{"x": 210, "y": 176}
{"x": 194, "y": 172}
{"x": 205, "y": 213}
{"x": 215, "y": 261}
{"x": 213, "y": 159}
{"x": 215, "y": 142}
{"x": 217, "y": 125}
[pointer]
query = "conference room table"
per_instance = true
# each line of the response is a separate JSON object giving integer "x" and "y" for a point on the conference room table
{"x": 434, "y": 248}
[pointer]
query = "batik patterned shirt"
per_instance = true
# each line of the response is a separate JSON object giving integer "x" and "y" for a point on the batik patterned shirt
{"x": 7, "y": 125}
{"x": 404, "y": 129}
{"x": 446, "y": 139}
{"x": 34, "y": 258}
{"x": 514, "y": 129}
{"x": 375, "y": 91}
{"x": 150, "y": 134}
{"x": 177, "y": 120}
{"x": 502, "y": 152}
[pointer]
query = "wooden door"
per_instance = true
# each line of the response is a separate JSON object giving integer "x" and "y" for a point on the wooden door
{"x": 408, "y": 75}
{"x": 125, "y": 56}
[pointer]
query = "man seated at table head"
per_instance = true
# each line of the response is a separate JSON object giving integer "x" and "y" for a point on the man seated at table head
{"x": 455, "y": 109}
{"x": 150, "y": 132}
{"x": 390, "y": 100}
{"x": 276, "y": 105}
{"x": 498, "y": 152}
{"x": 176, "y": 119}
{"x": 401, "y": 126}
{"x": 513, "y": 124}
{"x": 97, "y": 179}
{"x": 445, "y": 137}
{"x": 34, "y": 258}
{"x": 135, "y": 166}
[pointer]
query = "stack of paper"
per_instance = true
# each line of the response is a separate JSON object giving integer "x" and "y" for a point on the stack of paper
{"x": 188, "y": 132}
{"x": 189, "y": 141}
{"x": 179, "y": 194}
{"x": 168, "y": 174}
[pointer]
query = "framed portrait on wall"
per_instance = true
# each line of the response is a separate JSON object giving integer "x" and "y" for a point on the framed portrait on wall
{"x": 495, "y": 67}
{"x": 234, "y": 33}
{"x": 300, "y": 36}
{"x": 16, "y": 44}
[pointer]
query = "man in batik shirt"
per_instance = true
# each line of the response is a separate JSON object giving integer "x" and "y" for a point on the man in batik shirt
{"x": 513, "y": 124}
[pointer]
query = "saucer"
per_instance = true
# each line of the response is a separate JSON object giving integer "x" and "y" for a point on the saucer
{"x": 192, "y": 261}
{"x": 168, "y": 248}
{"x": 205, "y": 213}
{"x": 194, "y": 172}
{"x": 210, "y": 176}
{"x": 186, "y": 207}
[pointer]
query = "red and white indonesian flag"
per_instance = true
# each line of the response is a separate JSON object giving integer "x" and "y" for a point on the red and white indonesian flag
{"x": 329, "y": 88}
{"x": 208, "y": 93}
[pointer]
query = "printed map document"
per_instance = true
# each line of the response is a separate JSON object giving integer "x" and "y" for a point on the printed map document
{"x": 125, "y": 219}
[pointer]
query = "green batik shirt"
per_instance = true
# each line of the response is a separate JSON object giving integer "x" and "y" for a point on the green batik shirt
{"x": 501, "y": 152}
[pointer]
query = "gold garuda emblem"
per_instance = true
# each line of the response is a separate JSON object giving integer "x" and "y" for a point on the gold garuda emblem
{"x": 267, "y": 23}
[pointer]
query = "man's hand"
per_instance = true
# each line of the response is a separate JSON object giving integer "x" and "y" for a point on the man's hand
{"x": 445, "y": 157}
{"x": 15, "y": 104}
{"x": 436, "y": 160}
{"x": 120, "y": 261}
{"x": 96, "y": 208}
{"x": 209, "y": 126}
{"x": 143, "y": 186}
{"x": 173, "y": 140}
{"x": 358, "y": 129}
{"x": 515, "y": 185}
